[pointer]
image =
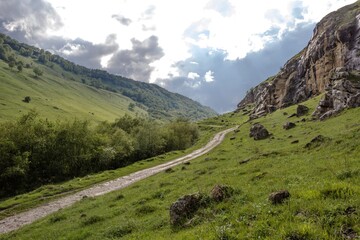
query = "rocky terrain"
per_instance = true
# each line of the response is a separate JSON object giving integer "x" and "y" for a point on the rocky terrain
{"x": 329, "y": 64}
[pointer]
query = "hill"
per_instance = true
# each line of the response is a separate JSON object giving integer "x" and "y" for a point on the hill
{"x": 64, "y": 89}
{"x": 329, "y": 64}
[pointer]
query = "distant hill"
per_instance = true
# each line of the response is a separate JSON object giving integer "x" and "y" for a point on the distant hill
{"x": 63, "y": 89}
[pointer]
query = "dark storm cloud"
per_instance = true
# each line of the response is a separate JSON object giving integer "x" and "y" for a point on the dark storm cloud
{"x": 223, "y": 7}
{"x": 123, "y": 20}
{"x": 233, "y": 78}
{"x": 27, "y": 19}
{"x": 135, "y": 63}
{"x": 90, "y": 54}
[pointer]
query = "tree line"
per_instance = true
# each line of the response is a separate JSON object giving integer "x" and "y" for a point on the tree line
{"x": 34, "y": 151}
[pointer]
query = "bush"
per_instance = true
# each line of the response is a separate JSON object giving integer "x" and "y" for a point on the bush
{"x": 26, "y": 99}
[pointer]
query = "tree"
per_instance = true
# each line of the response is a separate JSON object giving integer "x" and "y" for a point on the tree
{"x": 19, "y": 67}
{"x": 131, "y": 106}
{"x": 37, "y": 72}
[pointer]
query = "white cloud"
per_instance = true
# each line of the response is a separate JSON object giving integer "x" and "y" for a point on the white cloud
{"x": 209, "y": 76}
{"x": 193, "y": 75}
{"x": 237, "y": 29}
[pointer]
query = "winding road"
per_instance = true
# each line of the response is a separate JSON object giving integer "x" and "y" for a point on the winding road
{"x": 17, "y": 221}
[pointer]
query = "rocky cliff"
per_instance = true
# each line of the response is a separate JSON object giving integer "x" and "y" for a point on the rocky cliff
{"x": 330, "y": 63}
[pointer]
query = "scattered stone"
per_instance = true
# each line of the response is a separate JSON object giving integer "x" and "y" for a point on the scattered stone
{"x": 244, "y": 161}
{"x": 285, "y": 113}
{"x": 315, "y": 142}
{"x": 292, "y": 115}
{"x": 289, "y": 125}
{"x": 221, "y": 192}
{"x": 350, "y": 210}
{"x": 290, "y": 136}
{"x": 301, "y": 110}
{"x": 295, "y": 141}
{"x": 349, "y": 233}
{"x": 232, "y": 138}
{"x": 184, "y": 208}
{"x": 303, "y": 120}
{"x": 259, "y": 132}
{"x": 279, "y": 196}
{"x": 186, "y": 163}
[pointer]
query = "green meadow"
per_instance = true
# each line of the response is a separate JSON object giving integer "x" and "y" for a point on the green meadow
{"x": 322, "y": 177}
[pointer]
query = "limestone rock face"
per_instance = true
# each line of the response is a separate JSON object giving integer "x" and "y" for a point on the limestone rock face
{"x": 329, "y": 63}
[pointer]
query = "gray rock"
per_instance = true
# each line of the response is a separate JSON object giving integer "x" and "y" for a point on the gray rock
{"x": 301, "y": 110}
{"x": 279, "y": 196}
{"x": 289, "y": 125}
{"x": 221, "y": 192}
{"x": 342, "y": 94}
{"x": 259, "y": 132}
{"x": 184, "y": 208}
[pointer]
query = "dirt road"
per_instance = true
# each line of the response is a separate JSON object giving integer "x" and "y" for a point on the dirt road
{"x": 21, "y": 219}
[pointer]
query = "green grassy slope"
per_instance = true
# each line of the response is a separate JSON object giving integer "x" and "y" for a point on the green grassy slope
{"x": 66, "y": 85}
{"x": 57, "y": 97}
{"x": 323, "y": 181}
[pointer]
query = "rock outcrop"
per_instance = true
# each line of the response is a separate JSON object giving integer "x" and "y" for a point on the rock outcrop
{"x": 330, "y": 63}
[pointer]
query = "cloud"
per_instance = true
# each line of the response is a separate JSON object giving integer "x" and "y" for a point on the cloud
{"x": 148, "y": 13}
{"x": 224, "y": 7}
{"x": 136, "y": 62}
{"x": 87, "y": 53}
{"x": 27, "y": 19}
{"x": 234, "y": 77}
{"x": 209, "y": 76}
{"x": 193, "y": 75}
{"x": 123, "y": 20}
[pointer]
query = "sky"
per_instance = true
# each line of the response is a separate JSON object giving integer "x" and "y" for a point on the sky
{"x": 212, "y": 51}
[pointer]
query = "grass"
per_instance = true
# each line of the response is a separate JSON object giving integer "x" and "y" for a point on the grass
{"x": 323, "y": 182}
{"x": 57, "y": 96}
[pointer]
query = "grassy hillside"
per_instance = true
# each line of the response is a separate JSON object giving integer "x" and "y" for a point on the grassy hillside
{"x": 69, "y": 90}
{"x": 322, "y": 178}
{"x": 57, "y": 97}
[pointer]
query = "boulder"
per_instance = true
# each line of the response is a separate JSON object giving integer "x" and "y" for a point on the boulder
{"x": 302, "y": 110}
{"x": 279, "y": 196}
{"x": 184, "y": 208}
{"x": 221, "y": 192}
{"x": 289, "y": 125}
{"x": 258, "y": 132}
